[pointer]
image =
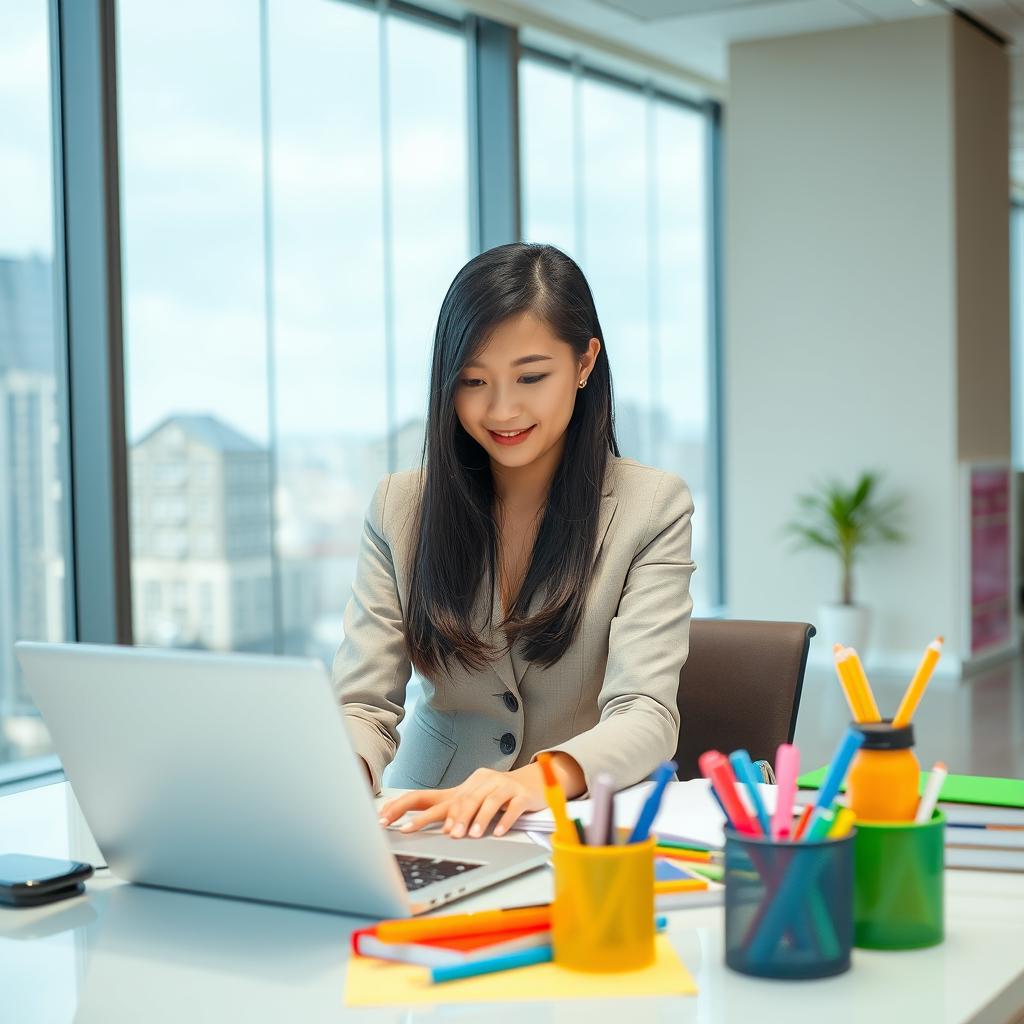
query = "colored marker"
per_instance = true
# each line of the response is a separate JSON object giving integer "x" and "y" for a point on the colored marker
{"x": 483, "y": 922}
{"x": 747, "y": 774}
{"x": 819, "y": 827}
{"x": 848, "y": 746}
{"x": 931, "y": 793}
{"x": 565, "y": 831}
{"x": 801, "y": 822}
{"x": 599, "y": 831}
{"x": 714, "y": 765}
{"x": 523, "y": 958}
{"x": 649, "y": 811}
{"x": 842, "y": 824}
{"x": 787, "y": 768}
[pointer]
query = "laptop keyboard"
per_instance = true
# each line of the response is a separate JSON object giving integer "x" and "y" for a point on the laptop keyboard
{"x": 420, "y": 871}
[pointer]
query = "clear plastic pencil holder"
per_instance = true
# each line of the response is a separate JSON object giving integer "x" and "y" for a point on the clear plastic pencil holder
{"x": 897, "y": 901}
{"x": 788, "y": 906}
{"x": 602, "y": 918}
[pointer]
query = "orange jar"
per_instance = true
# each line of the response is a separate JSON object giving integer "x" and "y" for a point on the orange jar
{"x": 883, "y": 781}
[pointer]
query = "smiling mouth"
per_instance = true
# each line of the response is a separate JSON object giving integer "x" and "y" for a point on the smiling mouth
{"x": 510, "y": 436}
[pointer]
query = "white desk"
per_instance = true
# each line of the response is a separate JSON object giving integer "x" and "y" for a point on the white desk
{"x": 127, "y": 953}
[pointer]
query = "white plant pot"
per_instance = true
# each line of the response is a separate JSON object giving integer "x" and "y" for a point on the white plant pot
{"x": 846, "y": 624}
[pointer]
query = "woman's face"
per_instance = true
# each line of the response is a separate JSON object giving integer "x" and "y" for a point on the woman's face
{"x": 523, "y": 383}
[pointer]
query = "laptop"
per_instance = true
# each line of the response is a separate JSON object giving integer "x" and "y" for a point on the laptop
{"x": 233, "y": 774}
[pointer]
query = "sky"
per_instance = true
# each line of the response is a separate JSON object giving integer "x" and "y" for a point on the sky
{"x": 199, "y": 210}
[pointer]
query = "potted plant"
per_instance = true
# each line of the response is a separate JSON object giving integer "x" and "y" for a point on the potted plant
{"x": 844, "y": 521}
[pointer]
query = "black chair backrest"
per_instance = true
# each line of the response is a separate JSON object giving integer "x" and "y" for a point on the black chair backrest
{"x": 740, "y": 688}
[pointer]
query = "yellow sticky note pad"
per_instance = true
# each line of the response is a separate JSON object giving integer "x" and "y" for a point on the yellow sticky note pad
{"x": 372, "y": 982}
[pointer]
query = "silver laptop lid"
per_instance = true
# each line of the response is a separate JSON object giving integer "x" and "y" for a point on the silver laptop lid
{"x": 230, "y": 774}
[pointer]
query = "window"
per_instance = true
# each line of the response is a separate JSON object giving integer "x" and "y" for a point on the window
{"x": 615, "y": 175}
{"x": 35, "y": 589}
{"x": 288, "y": 237}
{"x": 1017, "y": 331}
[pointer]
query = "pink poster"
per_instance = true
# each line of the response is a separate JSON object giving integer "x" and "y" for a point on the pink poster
{"x": 991, "y": 553}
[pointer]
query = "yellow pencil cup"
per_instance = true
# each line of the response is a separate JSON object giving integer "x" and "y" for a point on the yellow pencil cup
{"x": 602, "y": 918}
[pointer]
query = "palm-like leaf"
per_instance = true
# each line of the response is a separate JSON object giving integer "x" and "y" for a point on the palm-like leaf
{"x": 845, "y": 520}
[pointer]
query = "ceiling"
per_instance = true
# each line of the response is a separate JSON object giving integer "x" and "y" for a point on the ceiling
{"x": 694, "y": 35}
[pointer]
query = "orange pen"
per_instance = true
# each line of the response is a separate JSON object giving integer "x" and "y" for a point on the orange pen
{"x": 483, "y": 922}
{"x": 680, "y": 885}
{"x": 702, "y": 856}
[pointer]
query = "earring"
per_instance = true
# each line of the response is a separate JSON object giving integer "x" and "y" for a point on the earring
{"x": 582, "y": 383}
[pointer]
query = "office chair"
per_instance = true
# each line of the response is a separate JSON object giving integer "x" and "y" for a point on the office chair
{"x": 740, "y": 687}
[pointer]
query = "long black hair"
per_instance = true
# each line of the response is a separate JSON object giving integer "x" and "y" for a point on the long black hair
{"x": 456, "y": 547}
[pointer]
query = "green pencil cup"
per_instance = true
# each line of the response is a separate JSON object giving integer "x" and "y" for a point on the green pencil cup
{"x": 898, "y": 875}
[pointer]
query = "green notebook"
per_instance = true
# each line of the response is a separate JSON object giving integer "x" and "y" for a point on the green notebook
{"x": 957, "y": 789}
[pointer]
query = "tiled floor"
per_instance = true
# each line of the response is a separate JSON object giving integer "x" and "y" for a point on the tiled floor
{"x": 975, "y": 725}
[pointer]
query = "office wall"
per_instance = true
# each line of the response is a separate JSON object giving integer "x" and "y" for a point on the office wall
{"x": 846, "y": 211}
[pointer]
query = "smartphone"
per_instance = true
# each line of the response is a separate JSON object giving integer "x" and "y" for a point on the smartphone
{"x": 31, "y": 881}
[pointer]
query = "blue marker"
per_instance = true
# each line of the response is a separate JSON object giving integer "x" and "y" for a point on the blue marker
{"x": 748, "y": 774}
{"x": 649, "y": 811}
{"x": 848, "y": 746}
{"x": 524, "y": 958}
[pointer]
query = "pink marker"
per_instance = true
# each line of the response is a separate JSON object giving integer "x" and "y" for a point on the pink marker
{"x": 787, "y": 768}
{"x": 714, "y": 765}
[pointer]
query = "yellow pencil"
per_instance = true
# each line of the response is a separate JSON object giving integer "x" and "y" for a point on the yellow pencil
{"x": 871, "y": 712}
{"x": 843, "y": 823}
{"x": 851, "y": 690}
{"x": 565, "y": 830}
{"x": 916, "y": 688}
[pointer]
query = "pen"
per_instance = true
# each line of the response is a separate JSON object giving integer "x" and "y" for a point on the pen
{"x": 820, "y": 825}
{"x": 747, "y": 774}
{"x": 700, "y": 856}
{"x": 524, "y": 958}
{"x": 599, "y": 831}
{"x": 787, "y": 767}
{"x": 675, "y": 844}
{"x": 680, "y": 885}
{"x": 715, "y": 766}
{"x": 848, "y": 746}
{"x": 484, "y": 922}
{"x": 931, "y": 793}
{"x": 801, "y": 822}
{"x": 842, "y": 824}
{"x": 649, "y": 811}
{"x": 565, "y": 831}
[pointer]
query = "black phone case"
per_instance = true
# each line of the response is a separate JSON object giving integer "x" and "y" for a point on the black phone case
{"x": 37, "y": 898}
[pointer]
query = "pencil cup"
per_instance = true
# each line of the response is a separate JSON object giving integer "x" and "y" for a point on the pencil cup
{"x": 602, "y": 918}
{"x": 788, "y": 906}
{"x": 897, "y": 902}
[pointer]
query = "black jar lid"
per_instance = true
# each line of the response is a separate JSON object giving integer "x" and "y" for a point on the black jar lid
{"x": 883, "y": 736}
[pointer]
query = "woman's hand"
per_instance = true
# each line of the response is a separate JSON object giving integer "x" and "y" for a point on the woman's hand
{"x": 469, "y": 808}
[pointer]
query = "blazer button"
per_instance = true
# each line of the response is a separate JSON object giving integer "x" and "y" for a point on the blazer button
{"x": 510, "y": 701}
{"x": 508, "y": 743}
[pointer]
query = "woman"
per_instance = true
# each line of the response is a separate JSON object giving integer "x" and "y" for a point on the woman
{"x": 537, "y": 582}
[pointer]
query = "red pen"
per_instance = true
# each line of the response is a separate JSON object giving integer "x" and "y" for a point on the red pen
{"x": 714, "y": 765}
{"x": 801, "y": 823}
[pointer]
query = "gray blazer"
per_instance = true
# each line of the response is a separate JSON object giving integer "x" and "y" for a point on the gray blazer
{"x": 609, "y": 701}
